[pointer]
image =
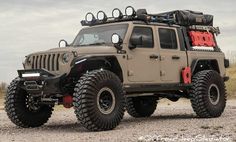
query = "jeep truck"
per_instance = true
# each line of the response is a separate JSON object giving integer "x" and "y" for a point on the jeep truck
{"x": 125, "y": 62}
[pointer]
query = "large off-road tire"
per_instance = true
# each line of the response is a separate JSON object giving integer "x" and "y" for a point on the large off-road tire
{"x": 21, "y": 111}
{"x": 208, "y": 94}
{"x": 141, "y": 106}
{"x": 98, "y": 100}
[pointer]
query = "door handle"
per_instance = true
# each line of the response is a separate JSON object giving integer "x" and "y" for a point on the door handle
{"x": 153, "y": 56}
{"x": 175, "y": 57}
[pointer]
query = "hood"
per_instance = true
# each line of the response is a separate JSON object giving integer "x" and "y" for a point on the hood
{"x": 58, "y": 60}
{"x": 82, "y": 50}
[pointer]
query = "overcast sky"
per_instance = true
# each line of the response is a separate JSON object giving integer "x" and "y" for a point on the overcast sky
{"x": 27, "y": 26}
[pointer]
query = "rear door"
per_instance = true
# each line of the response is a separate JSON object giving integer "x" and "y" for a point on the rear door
{"x": 172, "y": 58}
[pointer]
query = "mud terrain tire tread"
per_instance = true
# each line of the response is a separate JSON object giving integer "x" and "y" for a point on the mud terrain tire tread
{"x": 85, "y": 100}
{"x": 17, "y": 111}
{"x": 199, "y": 94}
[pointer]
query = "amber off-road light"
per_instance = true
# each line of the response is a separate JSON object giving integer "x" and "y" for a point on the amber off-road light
{"x": 129, "y": 11}
{"x": 90, "y": 17}
{"x": 117, "y": 14}
{"x": 101, "y": 16}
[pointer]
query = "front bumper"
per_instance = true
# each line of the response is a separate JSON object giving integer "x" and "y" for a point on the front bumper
{"x": 40, "y": 81}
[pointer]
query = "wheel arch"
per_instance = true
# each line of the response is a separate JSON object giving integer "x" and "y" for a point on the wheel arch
{"x": 204, "y": 64}
{"x": 83, "y": 64}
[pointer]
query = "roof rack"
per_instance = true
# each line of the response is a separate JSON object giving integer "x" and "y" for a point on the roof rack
{"x": 190, "y": 19}
{"x": 118, "y": 16}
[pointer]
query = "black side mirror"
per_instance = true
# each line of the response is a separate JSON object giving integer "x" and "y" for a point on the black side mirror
{"x": 135, "y": 41}
{"x": 117, "y": 41}
{"x": 65, "y": 43}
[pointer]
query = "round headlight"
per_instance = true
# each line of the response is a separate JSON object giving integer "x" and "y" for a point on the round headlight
{"x": 116, "y": 13}
{"x": 129, "y": 11}
{"x": 101, "y": 16}
{"x": 89, "y": 17}
{"x": 66, "y": 57}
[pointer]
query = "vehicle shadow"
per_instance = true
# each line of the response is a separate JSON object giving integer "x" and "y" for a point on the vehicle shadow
{"x": 127, "y": 122}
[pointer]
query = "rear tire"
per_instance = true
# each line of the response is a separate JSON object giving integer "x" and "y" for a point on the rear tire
{"x": 98, "y": 100}
{"x": 208, "y": 94}
{"x": 20, "y": 111}
{"x": 141, "y": 106}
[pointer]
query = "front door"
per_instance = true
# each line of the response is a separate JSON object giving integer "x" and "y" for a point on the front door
{"x": 143, "y": 61}
{"x": 172, "y": 59}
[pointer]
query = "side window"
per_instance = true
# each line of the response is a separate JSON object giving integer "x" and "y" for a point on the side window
{"x": 146, "y": 34}
{"x": 167, "y": 38}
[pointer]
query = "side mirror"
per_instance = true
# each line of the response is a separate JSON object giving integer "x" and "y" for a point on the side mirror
{"x": 134, "y": 41}
{"x": 117, "y": 41}
{"x": 65, "y": 43}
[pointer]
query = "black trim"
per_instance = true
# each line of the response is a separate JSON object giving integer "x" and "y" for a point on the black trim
{"x": 181, "y": 40}
{"x": 186, "y": 38}
{"x": 155, "y": 88}
{"x": 226, "y": 63}
{"x": 193, "y": 65}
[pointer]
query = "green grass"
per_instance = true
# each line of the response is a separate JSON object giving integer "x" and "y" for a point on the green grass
{"x": 231, "y": 83}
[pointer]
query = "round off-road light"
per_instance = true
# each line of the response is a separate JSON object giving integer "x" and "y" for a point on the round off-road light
{"x": 129, "y": 11}
{"x": 89, "y": 17}
{"x": 115, "y": 38}
{"x": 101, "y": 16}
{"x": 117, "y": 14}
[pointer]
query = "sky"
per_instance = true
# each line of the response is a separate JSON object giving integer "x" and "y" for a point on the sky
{"x": 27, "y": 26}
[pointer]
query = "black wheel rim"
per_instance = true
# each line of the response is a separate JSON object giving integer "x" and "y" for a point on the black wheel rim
{"x": 31, "y": 104}
{"x": 106, "y": 100}
{"x": 214, "y": 94}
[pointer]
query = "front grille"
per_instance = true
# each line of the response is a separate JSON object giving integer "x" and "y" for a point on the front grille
{"x": 49, "y": 62}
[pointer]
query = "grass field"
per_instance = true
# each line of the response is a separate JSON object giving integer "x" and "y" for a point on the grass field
{"x": 231, "y": 84}
{"x": 1, "y": 98}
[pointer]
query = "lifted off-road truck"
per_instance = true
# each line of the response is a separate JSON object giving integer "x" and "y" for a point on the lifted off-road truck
{"x": 127, "y": 61}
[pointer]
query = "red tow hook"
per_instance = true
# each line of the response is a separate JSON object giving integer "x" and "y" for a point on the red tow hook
{"x": 67, "y": 101}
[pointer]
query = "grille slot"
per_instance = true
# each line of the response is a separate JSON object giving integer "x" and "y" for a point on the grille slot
{"x": 49, "y": 62}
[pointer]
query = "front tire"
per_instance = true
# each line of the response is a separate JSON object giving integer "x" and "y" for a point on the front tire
{"x": 98, "y": 100}
{"x": 208, "y": 94}
{"x": 141, "y": 106}
{"x": 23, "y": 112}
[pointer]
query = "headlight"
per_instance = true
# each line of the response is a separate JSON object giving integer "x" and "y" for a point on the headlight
{"x": 66, "y": 57}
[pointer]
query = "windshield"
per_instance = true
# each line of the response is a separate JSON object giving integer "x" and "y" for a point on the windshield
{"x": 99, "y": 35}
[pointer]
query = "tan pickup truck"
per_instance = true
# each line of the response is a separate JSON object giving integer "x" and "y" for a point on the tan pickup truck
{"x": 125, "y": 62}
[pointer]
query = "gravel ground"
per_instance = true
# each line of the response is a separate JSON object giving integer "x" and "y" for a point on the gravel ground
{"x": 170, "y": 122}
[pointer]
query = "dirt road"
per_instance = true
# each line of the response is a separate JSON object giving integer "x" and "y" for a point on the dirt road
{"x": 170, "y": 122}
